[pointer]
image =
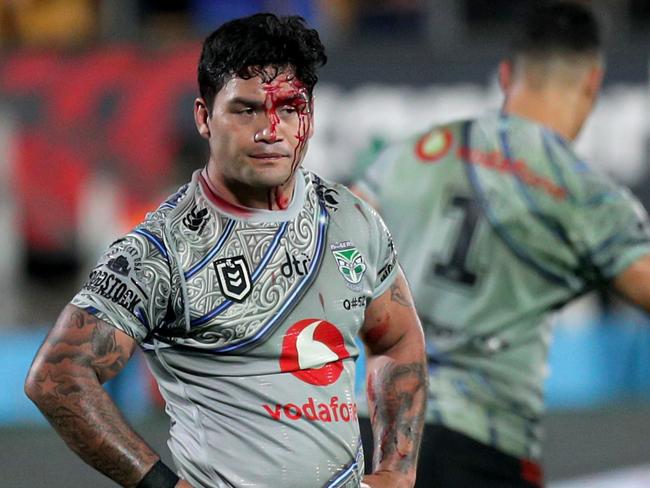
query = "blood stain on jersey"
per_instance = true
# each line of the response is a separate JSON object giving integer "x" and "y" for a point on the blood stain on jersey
{"x": 433, "y": 145}
{"x": 312, "y": 350}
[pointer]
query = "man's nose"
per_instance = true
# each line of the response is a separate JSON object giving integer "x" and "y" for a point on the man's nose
{"x": 269, "y": 131}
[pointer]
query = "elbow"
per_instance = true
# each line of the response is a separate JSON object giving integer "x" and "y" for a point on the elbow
{"x": 31, "y": 387}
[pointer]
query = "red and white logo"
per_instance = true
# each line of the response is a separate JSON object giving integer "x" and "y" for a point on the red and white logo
{"x": 433, "y": 146}
{"x": 312, "y": 351}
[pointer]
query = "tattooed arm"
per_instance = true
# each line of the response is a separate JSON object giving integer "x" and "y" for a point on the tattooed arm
{"x": 65, "y": 381}
{"x": 397, "y": 380}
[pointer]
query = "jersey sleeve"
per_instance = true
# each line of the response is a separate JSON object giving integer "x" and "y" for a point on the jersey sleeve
{"x": 130, "y": 286}
{"x": 386, "y": 256}
{"x": 609, "y": 226}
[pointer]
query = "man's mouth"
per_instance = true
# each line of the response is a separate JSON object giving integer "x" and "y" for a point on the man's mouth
{"x": 268, "y": 156}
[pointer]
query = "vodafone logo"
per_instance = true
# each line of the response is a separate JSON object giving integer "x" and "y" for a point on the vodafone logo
{"x": 312, "y": 351}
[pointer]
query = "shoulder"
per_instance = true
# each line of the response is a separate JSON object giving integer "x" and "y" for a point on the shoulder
{"x": 350, "y": 214}
{"x": 585, "y": 183}
{"x": 435, "y": 144}
{"x": 170, "y": 206}
{"x": 338, "y": 198}
{"x": 149, "y": 235}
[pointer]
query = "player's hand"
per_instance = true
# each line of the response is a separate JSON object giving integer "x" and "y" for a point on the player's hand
{"x": 183, "y": 484}
{"x": 385, "y": 479}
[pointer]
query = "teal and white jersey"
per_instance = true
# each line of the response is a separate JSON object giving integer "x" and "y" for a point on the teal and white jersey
{"x": 497, "y": 223}
{"x": 248, "y": 320}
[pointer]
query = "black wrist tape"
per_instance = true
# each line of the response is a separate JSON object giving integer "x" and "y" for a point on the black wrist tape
{"x": 159, "y": 476}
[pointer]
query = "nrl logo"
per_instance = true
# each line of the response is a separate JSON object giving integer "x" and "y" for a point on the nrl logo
{"x": 234, "y": 278}
{"x": 349, "y": 260}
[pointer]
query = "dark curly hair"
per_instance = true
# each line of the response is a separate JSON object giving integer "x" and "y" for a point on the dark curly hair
{"x": 242, "y": 46}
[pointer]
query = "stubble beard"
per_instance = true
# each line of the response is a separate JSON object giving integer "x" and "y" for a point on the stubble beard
{"x": 254, "y": 183}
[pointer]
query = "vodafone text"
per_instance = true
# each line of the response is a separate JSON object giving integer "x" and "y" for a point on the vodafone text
{"x": 315, "y": 412}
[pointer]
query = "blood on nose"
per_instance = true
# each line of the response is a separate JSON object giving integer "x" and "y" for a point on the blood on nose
{"x": 269, "y": 133}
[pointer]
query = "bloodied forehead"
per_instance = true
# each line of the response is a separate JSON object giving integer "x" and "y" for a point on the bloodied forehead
{"x": 268, "y": 83}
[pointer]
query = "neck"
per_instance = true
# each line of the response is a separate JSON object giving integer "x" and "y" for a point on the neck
{"x": 242, "y": 195}
{"x": 557, "y": 109}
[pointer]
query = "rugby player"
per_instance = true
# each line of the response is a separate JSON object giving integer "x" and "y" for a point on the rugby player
{"x": 498, "y": 222}
{"x": 246, "y": 290}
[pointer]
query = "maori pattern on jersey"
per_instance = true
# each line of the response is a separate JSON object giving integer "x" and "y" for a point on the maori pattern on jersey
{"x": 270, "y": 251}
{"x": 133, "y": 278}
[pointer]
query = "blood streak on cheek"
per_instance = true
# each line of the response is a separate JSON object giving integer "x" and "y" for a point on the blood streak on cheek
{"x": 272, "y": 113}
{"x": 294, "y": 93}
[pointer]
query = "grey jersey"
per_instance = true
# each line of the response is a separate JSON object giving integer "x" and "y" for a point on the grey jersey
{"x": 248, "y": 320}
{"x": 498, "y": 223}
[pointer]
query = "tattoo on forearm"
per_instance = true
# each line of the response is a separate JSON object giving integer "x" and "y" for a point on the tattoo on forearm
{"x": 399, "y": 393}
{"x": 79, "y": 354}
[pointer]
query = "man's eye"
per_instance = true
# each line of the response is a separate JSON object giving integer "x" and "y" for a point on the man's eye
{"x": 288, "y": 109}
{"x": 247, "y": 111}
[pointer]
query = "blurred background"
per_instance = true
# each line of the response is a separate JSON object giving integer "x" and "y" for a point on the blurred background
{"x": 96, "y": 128}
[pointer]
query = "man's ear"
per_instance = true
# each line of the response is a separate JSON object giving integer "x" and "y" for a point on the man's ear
{"x": 202, "y": 117}
{"x": 593, "y": 81}
{"x": 506, "y": 69}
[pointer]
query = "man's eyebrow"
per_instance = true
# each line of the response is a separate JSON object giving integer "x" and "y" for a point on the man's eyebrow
{"x": 249, "y": 102}
{"x": 289, "y": 99}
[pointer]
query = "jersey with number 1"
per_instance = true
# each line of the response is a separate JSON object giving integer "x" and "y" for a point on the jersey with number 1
{"x": 248, "y": 319}
{"x": 497, "y": 223}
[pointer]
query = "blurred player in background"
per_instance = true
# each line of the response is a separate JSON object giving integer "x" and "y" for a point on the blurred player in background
{"x": 498, "y": 223}
{"x": 246, "y": 290}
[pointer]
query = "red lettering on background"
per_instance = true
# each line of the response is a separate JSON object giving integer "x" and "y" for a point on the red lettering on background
{"x": 112, "y": 110}
{"x": 495, "y": 160}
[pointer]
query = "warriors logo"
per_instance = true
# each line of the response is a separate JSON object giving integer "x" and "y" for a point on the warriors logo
{"x": 312, "y": 351}
{"x": 349, "y": 260}
{"x": 234, "y": 278}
